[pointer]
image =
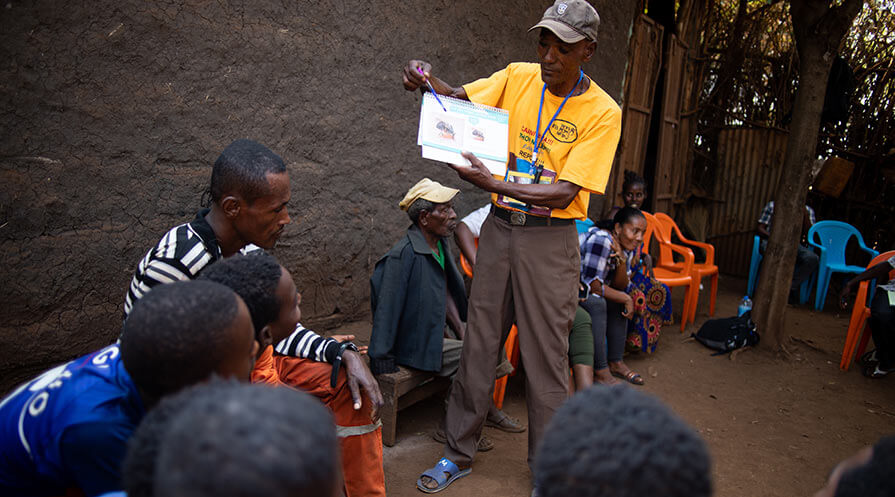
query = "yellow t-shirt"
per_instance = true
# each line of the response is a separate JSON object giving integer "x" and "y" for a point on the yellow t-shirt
{"x": 581, "y": 143}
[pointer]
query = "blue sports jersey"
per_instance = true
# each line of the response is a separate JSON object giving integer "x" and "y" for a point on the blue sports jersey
{"x": 68, "y": 428}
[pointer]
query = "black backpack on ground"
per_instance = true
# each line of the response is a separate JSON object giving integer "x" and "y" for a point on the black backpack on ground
{"x": 728, "y": 334}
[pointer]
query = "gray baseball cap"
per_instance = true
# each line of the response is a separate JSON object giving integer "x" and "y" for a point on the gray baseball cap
{"x": 571, "y": 20}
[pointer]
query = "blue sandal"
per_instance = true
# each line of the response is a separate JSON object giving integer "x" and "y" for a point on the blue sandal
{"x": 444, "y": 473}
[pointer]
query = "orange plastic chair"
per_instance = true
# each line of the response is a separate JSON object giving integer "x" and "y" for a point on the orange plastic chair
{"x": 666, "y": 273}
{"x": 512, "y": 348}
{"x": 464, "y": 262}
{"x": 500, "y": 384}
{"x": 859, "y": 314}
{"x": 700, "y": 269}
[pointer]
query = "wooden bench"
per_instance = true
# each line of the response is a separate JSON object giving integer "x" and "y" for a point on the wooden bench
{"x": 403, "y": 389}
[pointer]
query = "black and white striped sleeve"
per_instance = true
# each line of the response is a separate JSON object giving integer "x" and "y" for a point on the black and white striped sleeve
{"x": 306, "y": 344}
{"x": 154, "y": 272}
{"x": 178, "y": 256}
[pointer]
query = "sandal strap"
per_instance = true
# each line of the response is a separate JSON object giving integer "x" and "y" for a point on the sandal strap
{"x": 443, "y": 466}
{"x": 874, "y": 371}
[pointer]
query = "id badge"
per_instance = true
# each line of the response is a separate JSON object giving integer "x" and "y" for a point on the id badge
{"x": 525, "y": 175}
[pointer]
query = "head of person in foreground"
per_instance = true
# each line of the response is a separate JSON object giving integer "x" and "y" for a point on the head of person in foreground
{"x": 617, "y": 442}
{"x": 867, "y": 473}
{"x": 237, "y": 440}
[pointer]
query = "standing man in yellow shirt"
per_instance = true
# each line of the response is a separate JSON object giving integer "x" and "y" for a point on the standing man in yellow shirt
{"x": 564, "y": 131}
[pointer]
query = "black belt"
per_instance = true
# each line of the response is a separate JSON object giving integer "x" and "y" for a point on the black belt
{"x": 517, "y": 218}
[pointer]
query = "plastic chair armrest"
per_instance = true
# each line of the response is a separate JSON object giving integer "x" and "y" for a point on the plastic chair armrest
{"x": 709, "y": 250}
{"x": 687, "y": 253}
{"x": 865, "y": 248}
{"x": 816, "y": 245}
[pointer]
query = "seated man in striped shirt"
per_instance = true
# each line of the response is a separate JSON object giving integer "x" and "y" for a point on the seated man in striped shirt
{"x": 249, "y": 195}
{"x": 269, "y": 292}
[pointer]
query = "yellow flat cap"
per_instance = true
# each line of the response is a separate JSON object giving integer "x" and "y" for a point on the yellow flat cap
{"x": 427, "y": 189}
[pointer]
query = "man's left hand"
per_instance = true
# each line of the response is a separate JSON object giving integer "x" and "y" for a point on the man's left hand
{"x": 359, "y": 376}
{"x": 475, "y": 173}
{"x": 362, "y": 349}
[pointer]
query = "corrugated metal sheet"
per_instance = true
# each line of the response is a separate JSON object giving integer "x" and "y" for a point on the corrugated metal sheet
{"x": 690, "y": 93}
{"x": 668, "y": 165}
{"x": 640, "y": 85}
{"x": 751, "y": 163}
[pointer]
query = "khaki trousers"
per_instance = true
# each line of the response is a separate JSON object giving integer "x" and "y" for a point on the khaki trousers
{"x": 526, "y": 275}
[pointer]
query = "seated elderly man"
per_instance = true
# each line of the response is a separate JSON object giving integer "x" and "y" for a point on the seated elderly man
{"x": 417, "y": 290}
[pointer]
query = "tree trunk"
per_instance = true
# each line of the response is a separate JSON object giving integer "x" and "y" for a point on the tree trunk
{"x": 818, "y": 30}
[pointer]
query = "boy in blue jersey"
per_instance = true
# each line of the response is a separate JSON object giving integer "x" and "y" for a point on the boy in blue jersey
{"x": 67, "y": 429}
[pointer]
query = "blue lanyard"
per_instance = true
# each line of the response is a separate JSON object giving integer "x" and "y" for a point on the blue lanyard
{"x": 534, "y": 154}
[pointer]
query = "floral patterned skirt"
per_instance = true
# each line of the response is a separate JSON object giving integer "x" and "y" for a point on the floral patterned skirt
{"x": 652, "y": 309}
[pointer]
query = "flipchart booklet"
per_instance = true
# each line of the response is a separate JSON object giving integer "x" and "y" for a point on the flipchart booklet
{"x": 463, "y": 126}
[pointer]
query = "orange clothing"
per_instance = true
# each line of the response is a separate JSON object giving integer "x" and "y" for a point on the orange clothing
{"x": 265, "y": 370}
{"x": 360, "y": 440}
{"x": 578, "y": 148}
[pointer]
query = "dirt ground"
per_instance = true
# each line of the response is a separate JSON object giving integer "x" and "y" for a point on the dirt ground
{"x": 775, "y": 427}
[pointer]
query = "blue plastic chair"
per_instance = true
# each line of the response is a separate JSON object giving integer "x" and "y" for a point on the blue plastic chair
{"x": 804, "y": 290}
{"x": 831, "y": 237}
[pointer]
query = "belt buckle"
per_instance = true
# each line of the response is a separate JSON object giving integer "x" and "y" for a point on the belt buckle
{"x": 517, "y": 218}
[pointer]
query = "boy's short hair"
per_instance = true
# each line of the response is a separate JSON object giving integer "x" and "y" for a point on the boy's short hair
{"x": 616, "y": 442}
{"x": 238, "y": 439}
{"x": 243, "y": 168}
{"x": 873, "y": 479}
{"x": 175, "y": 335}
{"x": 254, "y": 278}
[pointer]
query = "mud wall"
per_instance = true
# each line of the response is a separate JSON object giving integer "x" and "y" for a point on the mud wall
{"x": 113, "y": 112}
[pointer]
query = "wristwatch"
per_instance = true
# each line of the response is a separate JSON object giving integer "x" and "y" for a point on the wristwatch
{"x": 337, "y": 362}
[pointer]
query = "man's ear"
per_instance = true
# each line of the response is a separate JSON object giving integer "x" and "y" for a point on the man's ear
{"x": 589, "y": 50}
{"x": 265, "y": 338}
{"x": 424, "y": 218}
{"x": 231, "y": 205}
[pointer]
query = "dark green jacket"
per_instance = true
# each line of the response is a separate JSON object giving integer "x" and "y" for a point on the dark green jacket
{"x": 408, "y": 295}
